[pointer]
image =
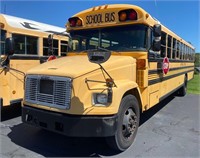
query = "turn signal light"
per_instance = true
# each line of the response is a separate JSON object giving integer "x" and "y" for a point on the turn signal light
{"x": 129, "y": 14}
{"x": 122, "y": 16}
{"x": 75, "y": 21}
{"x": 79, "y": 22}
{"x": 141, "y": 63}
{"x": 2, "y": 25}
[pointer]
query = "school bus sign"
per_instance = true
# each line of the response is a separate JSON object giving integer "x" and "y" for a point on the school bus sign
{"x": 100, "y": 18}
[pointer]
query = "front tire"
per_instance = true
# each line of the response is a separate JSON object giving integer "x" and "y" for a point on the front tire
{"x": 127, "y": 126}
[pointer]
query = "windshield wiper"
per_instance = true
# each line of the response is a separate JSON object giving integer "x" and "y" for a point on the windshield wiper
{"x": 98, "y": 49}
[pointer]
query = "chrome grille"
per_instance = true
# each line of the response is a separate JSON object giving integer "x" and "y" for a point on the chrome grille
{"x": 50, "y": 91}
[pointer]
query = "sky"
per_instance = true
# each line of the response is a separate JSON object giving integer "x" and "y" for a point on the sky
{"x": 180, "y": 16}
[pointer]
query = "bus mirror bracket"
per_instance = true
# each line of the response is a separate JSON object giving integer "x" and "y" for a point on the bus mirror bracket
{"x": 50, "y": 42}
{"x": 156, "y": 45}
{"x": 99, "y": 56}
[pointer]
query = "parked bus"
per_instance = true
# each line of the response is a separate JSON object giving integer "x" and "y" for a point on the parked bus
{"x": 122, "y": 62}
{"x": 31, "y": 48}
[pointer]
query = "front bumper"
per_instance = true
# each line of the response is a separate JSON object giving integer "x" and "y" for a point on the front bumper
{"x": 70, "y": 125}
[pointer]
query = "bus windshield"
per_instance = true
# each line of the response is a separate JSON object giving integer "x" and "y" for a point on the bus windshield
{"x": 123, "y": 38}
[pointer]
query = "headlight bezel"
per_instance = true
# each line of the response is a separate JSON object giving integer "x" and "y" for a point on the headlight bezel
{"x": 100, "y": 99}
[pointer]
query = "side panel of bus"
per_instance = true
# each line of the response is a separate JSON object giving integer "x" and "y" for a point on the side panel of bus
{"x": 12, "y": 81}
{"x": 162, "y": 85}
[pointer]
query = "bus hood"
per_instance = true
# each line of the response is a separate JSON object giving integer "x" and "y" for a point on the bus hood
{"x": 75, "y": 66}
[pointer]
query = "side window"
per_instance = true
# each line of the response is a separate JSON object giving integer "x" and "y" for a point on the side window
{"x": 169, "y": 44}
{"x": 188, "y": 53}
{"x": 174, "y": 48}
{"x": 178, "y": 50}
{"x": 64, "y": 46}
{"x": 46, "y": 47}
{"x": 25, "y": 44}
{"x": 2, "y": 42}
{"x": 163, "y": 44}
{"x": 181, "y": 50}
{"x": 55, "y": 47}
{"x": 31, "y": 45}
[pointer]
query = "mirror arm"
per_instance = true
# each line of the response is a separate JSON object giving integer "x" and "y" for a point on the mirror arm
{"x": 107, "y": 74}
{"x": 6, "y": 67}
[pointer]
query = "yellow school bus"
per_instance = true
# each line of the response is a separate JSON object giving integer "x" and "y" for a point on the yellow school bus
{"x": 121, "y": 63}
{"x": 31, "y": 48}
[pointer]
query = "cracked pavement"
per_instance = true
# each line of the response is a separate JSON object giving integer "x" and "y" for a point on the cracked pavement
{"x": 171, "y": 129}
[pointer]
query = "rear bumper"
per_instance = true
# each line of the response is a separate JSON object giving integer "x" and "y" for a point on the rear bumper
{"x": 78, "y": 126}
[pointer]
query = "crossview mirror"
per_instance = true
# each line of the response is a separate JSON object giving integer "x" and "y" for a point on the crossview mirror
{"x": 9, "y": 46}
{"x": 157, "y": 30}
{"x": 98, "y": 56}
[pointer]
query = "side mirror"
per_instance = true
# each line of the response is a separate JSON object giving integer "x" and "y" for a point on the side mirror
{"x": 156, "y": 45}
{"x": 9, "y": 46}
{"x": 157, "y": 30}
{"x": 98, "y": 57}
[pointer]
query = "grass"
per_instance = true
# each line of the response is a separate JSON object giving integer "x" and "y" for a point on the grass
{"x": 194, "y": 85}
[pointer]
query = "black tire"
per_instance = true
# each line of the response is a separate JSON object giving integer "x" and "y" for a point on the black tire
{"x": 183, "y": 90}
{"x": 127, "y": 126}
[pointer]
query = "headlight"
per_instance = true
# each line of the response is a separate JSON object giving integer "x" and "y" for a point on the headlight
{"x": 100, "y": 98}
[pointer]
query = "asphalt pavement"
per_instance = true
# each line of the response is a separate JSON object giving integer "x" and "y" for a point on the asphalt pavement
{"x": 170, "y": 129}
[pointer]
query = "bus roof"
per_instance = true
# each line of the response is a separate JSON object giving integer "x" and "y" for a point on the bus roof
{"x": 27, "y": 24}
{"x": 144, "y": 17}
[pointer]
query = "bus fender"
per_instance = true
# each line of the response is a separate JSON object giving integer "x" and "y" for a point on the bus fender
{"x": 126, "y": 88}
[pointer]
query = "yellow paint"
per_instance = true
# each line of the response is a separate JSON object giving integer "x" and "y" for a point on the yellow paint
{"x": 12, "y": 82}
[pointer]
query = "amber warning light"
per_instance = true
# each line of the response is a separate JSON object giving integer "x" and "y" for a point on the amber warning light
{"x": 126, "y": 15}
{"x": 75, "y": 21}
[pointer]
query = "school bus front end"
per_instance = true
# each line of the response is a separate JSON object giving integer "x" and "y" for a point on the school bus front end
{"x": 101, "y": 87}
{"x": 70, "y": 95}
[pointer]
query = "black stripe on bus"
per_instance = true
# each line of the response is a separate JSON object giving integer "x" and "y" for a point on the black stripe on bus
{"x": 42, "y": 59}
{"x": 151, "y": 82}
{"x": 159, "y": 70}
{"x": 171, "y": 60}
{"x": 27, "y": 57}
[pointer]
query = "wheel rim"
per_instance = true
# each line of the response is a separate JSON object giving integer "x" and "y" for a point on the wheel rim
{"x": 129, "y": 124}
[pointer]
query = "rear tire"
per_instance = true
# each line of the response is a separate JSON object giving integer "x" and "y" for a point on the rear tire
{"x": 127, "y": 126}
{"x": 183, "y": 90}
